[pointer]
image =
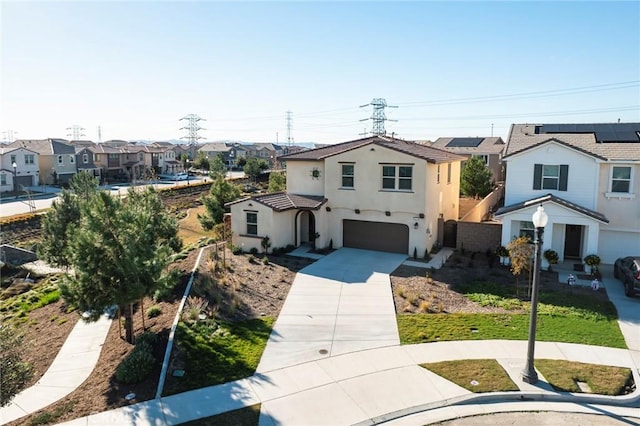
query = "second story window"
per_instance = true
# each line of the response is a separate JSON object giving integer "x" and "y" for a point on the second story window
{"x": 85, "y": 158}
{"x": 13, "y": 159}
{"x": 252, "y": 223}
{"x": 141, "y": 157}
{"x": 397, "y": 178}
{"x": 29, "y": 159}
{"x": 60, "y": 159}
{"x": 550, "y": 176}
{"x": 438, "y": 173}
{"x": 448, "y": 172}
{"x": 347, "y": 175}
{"x": 96, "y": 157}
{"x": 72, "y": 159}
{"x": 621, "y": 179}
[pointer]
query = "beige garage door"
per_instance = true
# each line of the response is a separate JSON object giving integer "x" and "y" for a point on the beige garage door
{"x": 393, "y": 237}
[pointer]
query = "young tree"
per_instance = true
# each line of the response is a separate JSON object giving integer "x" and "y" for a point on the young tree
{"x": 254, "y": 167}
{"x": 119, "y": 252}
{"x": 61, "y": 220}
{"x": 221, "y": 192}
{"x": 520, "y": 253}
{"x": 241, "y": 161}
{"x": 475, "y": 178}
{"x": 201, "y": 161}
{"x": 14, "y": 372}
{"x": 277, "y": 182}
{"x": 217, "y": 167}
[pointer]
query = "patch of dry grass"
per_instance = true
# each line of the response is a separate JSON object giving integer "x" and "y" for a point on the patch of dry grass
{"x": 476, "y": 375}
{"x": 602, "y": 379}
{"x": 190, "y": 229}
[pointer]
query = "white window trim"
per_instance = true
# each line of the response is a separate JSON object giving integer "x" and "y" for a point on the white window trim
{"x": 72, "y": 159}
{"x": 438, "y": 174}
{"x": 85, "y": 158}
{"x": 29, "y": 159}
{"x": 629, "y": 195}
{"x": 352, "y": 176}
{"x": 396, "y": 177}
{"x": 60, "y": 159}
{"x": 251, "y": 223}
{"x": 557, "y": 178}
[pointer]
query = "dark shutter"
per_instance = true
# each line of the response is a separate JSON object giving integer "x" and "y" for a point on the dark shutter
{"x": 564, "y": 176}
{"x": 537, "y": 176}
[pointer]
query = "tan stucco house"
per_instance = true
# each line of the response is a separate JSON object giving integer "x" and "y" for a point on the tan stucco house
{"x": 375, "y": 193}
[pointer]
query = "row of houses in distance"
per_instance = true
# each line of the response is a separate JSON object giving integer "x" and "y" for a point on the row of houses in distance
{"x": 27, "y": 163}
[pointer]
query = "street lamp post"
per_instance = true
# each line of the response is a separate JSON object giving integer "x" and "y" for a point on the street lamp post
{"x": 15, "y": 185}
{"x": 539, "y": 219}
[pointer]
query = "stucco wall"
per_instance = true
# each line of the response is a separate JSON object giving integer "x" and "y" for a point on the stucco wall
{"x": 582, "y": 179}
{"x": 300, "y": 179}
{"x": 622, "y": 210}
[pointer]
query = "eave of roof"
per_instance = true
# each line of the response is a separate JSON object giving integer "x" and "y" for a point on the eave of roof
{"x": 283, "y": 201}
{"x": 553, "y": 199}
{"x": 430, "y": 154}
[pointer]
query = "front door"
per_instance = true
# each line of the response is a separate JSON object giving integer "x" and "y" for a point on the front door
{"x": 573, "y": 241}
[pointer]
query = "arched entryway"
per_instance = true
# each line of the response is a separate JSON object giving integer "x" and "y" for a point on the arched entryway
{"x": 305, "y": 223}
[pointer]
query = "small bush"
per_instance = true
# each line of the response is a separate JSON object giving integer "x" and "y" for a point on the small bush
{"x": 137, "y": 365}
{"x": 253, "y": 251}
{"x": 289, "y": 248}
{"x": 147, "y": 338}
{"x": 154, "y": 311}
{"x": 265, "y": 260}
{"x": 236, "y": 250}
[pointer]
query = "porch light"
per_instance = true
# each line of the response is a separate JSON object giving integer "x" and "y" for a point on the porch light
{"x": 415, "y": 225}
{"x": 539, "y": 219}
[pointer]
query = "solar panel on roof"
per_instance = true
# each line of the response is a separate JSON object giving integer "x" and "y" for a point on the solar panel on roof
{"x": 604, "y": 132}
{"x": 464, "y": 142}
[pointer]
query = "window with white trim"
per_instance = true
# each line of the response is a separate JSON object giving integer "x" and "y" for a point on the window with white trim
{"x": 527, "y": 229}
{"x": 252, "y": 223}
{"x": 550, "y": 177}
{"x": 3, "y": 179}
{"x": 72, "y": 159}
{"x": 85, "y": 158}
{"x": 29, "y": 159}
{"x": 397, "y": 178}
{"x": 621, "y": 179}
{"x": 13, "y": 160}
{"x": 348, "y": 171}
{"x": 60, "y": 159}
{"x": 141, "y": 157}
{"x": 438, "y": 174}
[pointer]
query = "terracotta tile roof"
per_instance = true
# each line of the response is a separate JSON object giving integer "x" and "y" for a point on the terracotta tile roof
{"x": 431, "y": 155}
{"x": 526, "y": 136}
{"x": 552, "y": 198}
{"x": 282, "y": 201}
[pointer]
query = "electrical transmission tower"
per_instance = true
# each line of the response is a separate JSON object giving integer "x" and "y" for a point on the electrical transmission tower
{"x": 8, "y": 136}
{"x": 289, "y": 127}
{"x": 75, "y": 132}
{"x": 378, "y": 117}
{"x": 192, "y": 127}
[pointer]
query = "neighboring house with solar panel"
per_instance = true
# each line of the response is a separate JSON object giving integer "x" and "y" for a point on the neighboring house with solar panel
{"x": 587, "y": 178}
{"x": 375, "y": 193}
{"x": 488, "y": 148}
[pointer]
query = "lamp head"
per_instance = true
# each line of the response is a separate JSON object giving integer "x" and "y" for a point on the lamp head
{"x": 540, "y": 218}
{"x": 14, "y": 165}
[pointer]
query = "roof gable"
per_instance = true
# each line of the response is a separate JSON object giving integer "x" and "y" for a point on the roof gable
{"x": 553, "y": 199}
{"x": 430, "y": 154}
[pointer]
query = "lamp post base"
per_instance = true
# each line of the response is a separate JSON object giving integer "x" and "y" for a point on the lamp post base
{"x": 530, "y": 377}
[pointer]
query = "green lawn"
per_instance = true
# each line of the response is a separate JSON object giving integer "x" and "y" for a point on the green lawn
{"x": 562, "y": 317}
{"x": 216, "y": 352}
{"x": 422, "y": 328}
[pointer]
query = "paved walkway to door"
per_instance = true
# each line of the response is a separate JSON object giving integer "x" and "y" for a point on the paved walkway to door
{"x": 342, "y": 303}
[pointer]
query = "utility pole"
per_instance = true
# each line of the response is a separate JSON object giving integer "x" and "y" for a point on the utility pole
{"x": 76, "y": 132}
{"x": 192, "y": 128}
{"x": 99, "y": 133}
{"x": 289, "y": 126}
{"x": 377, "y": 116}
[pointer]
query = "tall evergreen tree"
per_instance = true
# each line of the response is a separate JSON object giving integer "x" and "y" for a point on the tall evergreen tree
{"x": 222, "y": 191}
{"x": 217, "y": 167}
{"x": 475, "y": 178}
{"x": 277, "y": 182}
{"x": 119, "y": 253}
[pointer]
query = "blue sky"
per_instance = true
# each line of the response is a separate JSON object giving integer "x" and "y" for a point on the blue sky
{"x": 452, "y": 68}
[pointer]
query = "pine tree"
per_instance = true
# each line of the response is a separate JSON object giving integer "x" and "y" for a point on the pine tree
{"x": 277, "y": 182}
{"x": 475, "y": 178}
{"x": 221, "y": 192}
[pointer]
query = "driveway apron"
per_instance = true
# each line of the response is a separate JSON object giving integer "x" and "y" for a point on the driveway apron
{"x": 341, "y": 303}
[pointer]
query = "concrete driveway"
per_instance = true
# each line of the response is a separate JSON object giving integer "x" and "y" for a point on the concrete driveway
{"x": 341, "y": 303}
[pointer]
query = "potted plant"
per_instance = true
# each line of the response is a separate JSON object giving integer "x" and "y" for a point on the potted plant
{"x": 551, "y": 256}
{"x": 503, "y": 253}
{"x": 593, "y": 260}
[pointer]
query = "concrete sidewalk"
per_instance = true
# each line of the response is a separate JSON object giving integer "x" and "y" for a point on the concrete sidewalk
{"x": 378, "y": 385}
{"x": 73, "y": 364}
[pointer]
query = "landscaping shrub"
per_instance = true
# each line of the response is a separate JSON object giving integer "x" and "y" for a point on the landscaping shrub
{"x": 137, "y": 365}
{"x": 154, "y": 311}
{"x": 253, "y": 251}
